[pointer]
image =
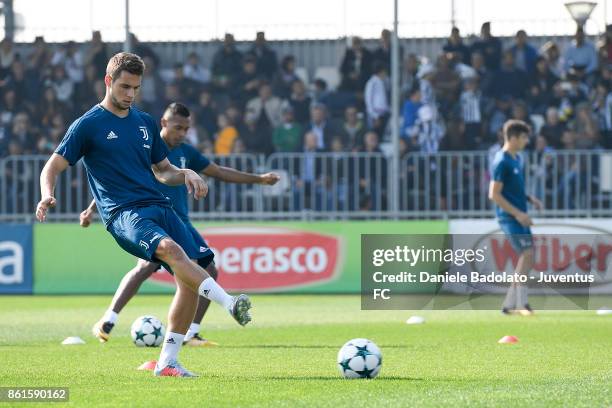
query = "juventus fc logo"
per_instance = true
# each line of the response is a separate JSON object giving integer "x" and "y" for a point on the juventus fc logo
{"x": 145, "y": 133}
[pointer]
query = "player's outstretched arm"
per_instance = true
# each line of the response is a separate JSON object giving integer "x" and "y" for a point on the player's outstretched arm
{"x": 495, "y": 195}
{"x": 171, "y": 175}
{"x": 230, "y": 175}
{"x": 48, "y": 178}
{"x": 87, "y": 214}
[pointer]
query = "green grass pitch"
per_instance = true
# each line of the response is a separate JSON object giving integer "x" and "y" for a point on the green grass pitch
{"x": 287, "y": 357}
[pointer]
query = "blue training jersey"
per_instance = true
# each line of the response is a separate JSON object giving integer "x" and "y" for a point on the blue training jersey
{"x": 510, "y": 171}
{"x": 117, "y": 154}
{"x": 184, "y": 156}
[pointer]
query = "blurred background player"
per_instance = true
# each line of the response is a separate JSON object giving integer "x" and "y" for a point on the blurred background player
{"x": 507, "y": 191}
{"x": 123, "y": 154}
{"x": 174, "y": 126}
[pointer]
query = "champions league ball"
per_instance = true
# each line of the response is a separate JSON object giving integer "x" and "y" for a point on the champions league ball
{"x": 359, "y": 358}
{"x": 147, "y": 331}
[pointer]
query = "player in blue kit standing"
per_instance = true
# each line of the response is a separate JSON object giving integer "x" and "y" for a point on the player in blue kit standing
{"x": 507, "y": 191}
{"x": 124, "y": 154}
{"x": 175, "y": 123}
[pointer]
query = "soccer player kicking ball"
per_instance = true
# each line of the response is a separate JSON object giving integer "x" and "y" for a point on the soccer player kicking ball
{"x": 507, "y": 191}
{"x": 123, "y": 154}
{"x": 174, "y": 126}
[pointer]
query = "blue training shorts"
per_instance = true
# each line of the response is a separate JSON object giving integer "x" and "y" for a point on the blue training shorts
{"x": 138, "y": 230}
{"x": 519, "y": 236}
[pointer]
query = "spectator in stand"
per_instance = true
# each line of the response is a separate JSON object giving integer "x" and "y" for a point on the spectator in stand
{"x": 485, "y": 76}
{"x": 248, "y": 82}
{"x": 9, "y": 107}
{"x": 97, "y": 54}
{"x": 206, "y": 113}
{"x": 64, "y": 87}
{"x": 580, "y": 54}
{"x": 508, "y": 80}
{"x": 471, "y": 114}
{"x": 455, "y": 45}
{"x": 410, "y": 111}
{"x": 382, "y": 53}
{"x": 71, "y": 58}
{"x": 23, "y": 133}
{"x": 285, "y": 77}
{"x": 605, "y": 46}
{"x": 607, "y": 128}
{"x": 501, "y": 112}
{"x": 428, "y": 96}
{"x": 321, "y": 127}
{"x": 7, "y": 56}
{"x": 524, "y": 54}
{"x": 446, "y": 83}
{"x": 288, "y": 136}
{"x": 551, "y": 52}
{"x": 320, "y": 93}
{"x": 409, "y": 77}
{"x": 48, "y": 107}
{"x": 143, "y": 50}
{"x": 553, "y": 128}
{"x": 373, "y": 173}
{"x": 266, "y": 108}
{"x": 188, "y": 88}
{"x": 226, "y": 136}
{"x": 520, "y": 112}
{"x": 300, "y": 102}
{"x": 490, "y": 47}
{"x": 226, "y": 65}
{"x": 152, "y": 89}
{"x": 585, "y": 127}
{"x": 428, "y": 131}
{"x": 376, "y": 100}
{"x": 353, "y": 129}
{"x": 265, "y": 57}
{"x": 257, "y": 138}
{"x": 25, "y": 91}
{"x": 544, "y": 80}
{"x": 356, "y": 67}
{"x": 194, "y": 70}
{"x": 309, "y": 187}
{"x": 40, "y": 56}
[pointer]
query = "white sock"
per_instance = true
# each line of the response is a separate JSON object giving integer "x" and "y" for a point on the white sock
{"x": 193, "y": 329}
{"x": 170, "y": 349}
{"x": 212, "y": 291}
{"x": 110, "y": 316}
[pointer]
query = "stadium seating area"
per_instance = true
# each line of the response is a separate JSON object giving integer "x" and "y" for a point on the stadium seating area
{"x": 261, "y": 102}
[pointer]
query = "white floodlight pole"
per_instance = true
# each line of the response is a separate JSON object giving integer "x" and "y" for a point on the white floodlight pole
{"x": 127, "y": 45}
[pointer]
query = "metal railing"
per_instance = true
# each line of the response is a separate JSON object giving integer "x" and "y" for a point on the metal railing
{"x": 341, "y": 186}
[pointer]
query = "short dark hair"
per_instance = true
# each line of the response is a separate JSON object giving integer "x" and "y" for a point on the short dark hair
{"x": 514, "y": 128}
{"x": 125, "y": 61}
{"x": 177, "y": 108}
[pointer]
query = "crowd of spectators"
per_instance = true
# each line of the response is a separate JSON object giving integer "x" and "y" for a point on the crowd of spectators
{"x": 255, "y": 102}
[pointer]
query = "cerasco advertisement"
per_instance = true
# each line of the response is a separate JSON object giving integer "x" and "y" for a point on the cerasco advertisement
{"x": 270, "y": 259}
{"x": 562, "y": 247}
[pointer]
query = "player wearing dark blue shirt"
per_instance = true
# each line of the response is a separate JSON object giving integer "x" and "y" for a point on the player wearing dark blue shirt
{"x": 507, "y": 191}
{"x": 174, "y": 126}
{"x": 123, "y": 155}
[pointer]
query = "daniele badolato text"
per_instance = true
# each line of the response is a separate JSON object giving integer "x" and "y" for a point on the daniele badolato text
{"x": 405, "y": 265}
